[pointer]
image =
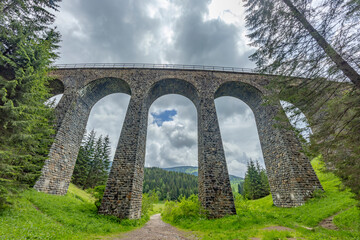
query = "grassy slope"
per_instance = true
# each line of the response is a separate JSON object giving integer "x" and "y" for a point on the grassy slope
{"x": 73, "y": 216}
{"x": 253, "y": 216}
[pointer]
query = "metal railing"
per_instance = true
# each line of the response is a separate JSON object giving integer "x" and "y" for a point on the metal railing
{"x": 156, "y": 66}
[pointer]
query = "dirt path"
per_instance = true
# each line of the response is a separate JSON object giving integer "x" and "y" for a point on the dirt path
{"x": 328, "y": 223}
{"x": 155, "y": 229}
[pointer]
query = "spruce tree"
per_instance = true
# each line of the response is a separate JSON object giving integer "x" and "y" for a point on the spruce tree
{"x": 93, "y": 162}
{"x": 105, "y": 165}
{"x": 26, "y": 52}
{"x": 255, "y": 183}
{"x": 82, "y": 166}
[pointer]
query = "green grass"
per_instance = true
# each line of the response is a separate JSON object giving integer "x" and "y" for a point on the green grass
{"x": 253, "y": 216}
{"x": 80, "y": 194}
{"x": 37, "y": 215}
{"x": 157, "y": 208}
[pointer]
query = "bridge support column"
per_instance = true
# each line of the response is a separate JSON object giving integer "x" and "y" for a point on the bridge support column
{"x": 291, "y": 177}
{"x": 57, "y": 171}
{"x": 123, "y": 193}
{"x": 63, "y": 106}
{"x": 214, "y": 184}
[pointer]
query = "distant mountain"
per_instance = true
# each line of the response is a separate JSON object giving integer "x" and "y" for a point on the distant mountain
{"x": 194, "y": 171}
{"x": 234, "y": 180}
{"x": 184, "y": 169}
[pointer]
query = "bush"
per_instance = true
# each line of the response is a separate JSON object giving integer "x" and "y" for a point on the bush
{"x": 98, "y": 193}
{"x": 241, "y": 203}
{"x": 184, "y": 208}
{"x": 148, "y": 201}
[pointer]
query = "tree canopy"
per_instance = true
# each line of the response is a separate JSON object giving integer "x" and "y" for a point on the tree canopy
{"x": 93, "y": 162}
{"x": 27, "y": 48}
{"x": 256, "y": 184}
{"x": 318, "y": 41}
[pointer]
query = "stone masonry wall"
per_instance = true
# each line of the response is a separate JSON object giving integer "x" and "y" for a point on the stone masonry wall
{"x": 291, "y": 177}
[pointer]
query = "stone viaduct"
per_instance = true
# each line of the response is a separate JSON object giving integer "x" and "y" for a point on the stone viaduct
{"x": 291, "y": 177}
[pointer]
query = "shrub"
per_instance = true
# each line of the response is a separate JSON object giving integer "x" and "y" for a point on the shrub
{"x": 184, "y": 208}
{"x": 241, "y": 203}
{"x": 148, "y": 200}
{"x": 98, "y": 193}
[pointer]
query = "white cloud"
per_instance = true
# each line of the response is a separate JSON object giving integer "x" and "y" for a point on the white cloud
{"x": 175, "y": 142}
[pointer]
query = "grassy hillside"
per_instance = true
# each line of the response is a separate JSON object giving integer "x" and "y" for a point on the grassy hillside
{"x": 254, "y": 216}
{"x": 234, "y": 180}
{"x": 37, "y": 215}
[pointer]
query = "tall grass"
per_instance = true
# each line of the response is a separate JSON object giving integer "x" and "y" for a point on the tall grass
{"x": 253, "y": 216}
{"x": 73, "y": 216}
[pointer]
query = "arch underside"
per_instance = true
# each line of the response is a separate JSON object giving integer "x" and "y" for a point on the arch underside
{"x": 58, "y": 168}
{"x": 291, "y": 178}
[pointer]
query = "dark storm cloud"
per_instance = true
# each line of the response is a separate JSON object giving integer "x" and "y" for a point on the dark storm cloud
{"x": 106, "y": 31}
{"x": 125, "y": 31}
{"x": 212, "y": 42}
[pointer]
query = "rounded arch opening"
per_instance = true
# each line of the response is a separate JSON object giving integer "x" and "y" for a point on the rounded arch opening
{"x": 298, "y": 120}
{"x": 243, "y": 91}
{"x": 171, "y": 145}
{"x": 239, "y": 134}
{"x": 56, "y": 90}
{"x": 105, "y": 102}
{"x": 236, "y": 103}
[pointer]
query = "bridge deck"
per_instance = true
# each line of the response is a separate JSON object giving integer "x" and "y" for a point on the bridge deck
{"x": 157, "y": 66}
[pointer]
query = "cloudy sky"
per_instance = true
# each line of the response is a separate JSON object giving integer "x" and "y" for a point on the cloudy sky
{"x": 200, "y": 32}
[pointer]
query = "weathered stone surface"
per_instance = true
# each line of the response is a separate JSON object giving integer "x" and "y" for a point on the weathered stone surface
{"x": 291, "y": 177}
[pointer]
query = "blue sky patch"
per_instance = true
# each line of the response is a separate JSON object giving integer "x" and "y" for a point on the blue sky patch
{"x": 165, "y": 116}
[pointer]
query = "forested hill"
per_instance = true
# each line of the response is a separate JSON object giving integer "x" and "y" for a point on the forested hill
{"x": 194, "y": 171}
{"x": 169, "y": 185}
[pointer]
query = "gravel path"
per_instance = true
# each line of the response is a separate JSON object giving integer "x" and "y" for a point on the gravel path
{"x": 155, "y": 229}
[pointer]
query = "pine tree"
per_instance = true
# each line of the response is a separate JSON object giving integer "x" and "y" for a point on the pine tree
{"x": 105, "y": 166}
{"x": 241, "y": 188}
{"x": 255, "y": 184}
{"x": 82, "y": 166}
{"x": 93, "y": 162}
{"x": 26, "y": 52}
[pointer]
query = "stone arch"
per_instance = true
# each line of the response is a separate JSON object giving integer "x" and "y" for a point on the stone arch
{"x": 291, "y": 177}
{"x": 172, "y": 86}
{"x": 58, "y": 168}
{"x": 243, "y": 91}
{"x": 102, "y": 87}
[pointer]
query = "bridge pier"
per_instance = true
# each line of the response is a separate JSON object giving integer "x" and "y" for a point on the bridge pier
{"x": 58, "y": 168}
{"x": 123, "y": 193}
{"x": 291, "y": 177}
{"x": 215, "y": 192}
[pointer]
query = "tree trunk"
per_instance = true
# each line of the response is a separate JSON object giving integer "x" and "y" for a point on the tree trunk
{"x": 329, "y": 50}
